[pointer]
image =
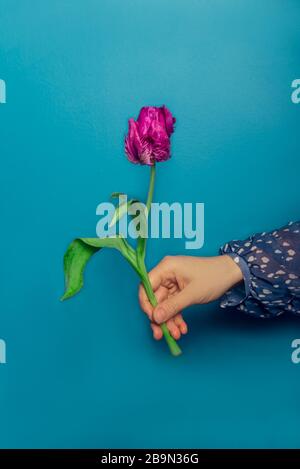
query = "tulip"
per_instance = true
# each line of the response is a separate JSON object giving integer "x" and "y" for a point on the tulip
{"x": 147, "y": 142}
{"x": 148, "y": 139}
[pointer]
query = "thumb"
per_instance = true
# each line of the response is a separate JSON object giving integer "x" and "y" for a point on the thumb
{"x": 173, "y": 305}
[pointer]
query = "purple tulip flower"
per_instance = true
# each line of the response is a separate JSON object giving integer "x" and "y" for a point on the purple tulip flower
{"x": 148, "y": 138}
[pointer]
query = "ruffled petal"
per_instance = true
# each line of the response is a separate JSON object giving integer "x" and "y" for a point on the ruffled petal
{"x": 133, "y": 144}
{"x": 161, "y": 142}
{"x": 169, "y": 120}
{"x": 147, "y": 115}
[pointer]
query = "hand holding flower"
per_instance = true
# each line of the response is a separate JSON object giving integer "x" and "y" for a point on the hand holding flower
{"x": 182, "y": 281}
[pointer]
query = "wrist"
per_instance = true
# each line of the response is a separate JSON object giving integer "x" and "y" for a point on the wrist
{"x": 233, "y": 272}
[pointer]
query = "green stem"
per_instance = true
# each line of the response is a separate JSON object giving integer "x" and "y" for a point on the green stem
{"x": 173, "y": 346}
{"x": 151, "y": 188}
{"x": 141, "y": 245}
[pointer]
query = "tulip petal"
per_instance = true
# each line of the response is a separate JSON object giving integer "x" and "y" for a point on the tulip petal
{"x": 133, "y": 145}
{"x": 146, "y": 116}
{"x": 147, "y": 155}
{"x": 169, "y": 120}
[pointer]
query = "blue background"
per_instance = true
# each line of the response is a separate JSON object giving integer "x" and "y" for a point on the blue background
{"x": 86, "y": 373}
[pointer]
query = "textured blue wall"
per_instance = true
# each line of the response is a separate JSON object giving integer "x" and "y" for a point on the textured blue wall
{"x": 86, "y": 373}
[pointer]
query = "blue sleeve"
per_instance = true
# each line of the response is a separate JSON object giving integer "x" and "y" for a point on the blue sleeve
{"x": 270, "y": 263}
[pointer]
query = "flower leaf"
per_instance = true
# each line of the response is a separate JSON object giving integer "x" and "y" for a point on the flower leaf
{"x": 120, "y": 211}
{"x": 141, "y": 248}
{"x": 116, "y": 195}
{"x": 141, "y": 242}
{"x": 79, "y": 253}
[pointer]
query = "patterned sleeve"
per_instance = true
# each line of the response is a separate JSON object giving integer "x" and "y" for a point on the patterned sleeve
{"x": 270, "y": 263}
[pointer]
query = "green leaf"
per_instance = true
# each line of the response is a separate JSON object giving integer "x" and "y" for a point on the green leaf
{"x": 79, "y": 253}
{"x": 141, "y": 242}
{"x": 75, "y": 260}
{"x": 111, "y": 242}
{"x": 116, "y": 195}
{"x": 141, "y": 248}
{"x": 120, "y": 211}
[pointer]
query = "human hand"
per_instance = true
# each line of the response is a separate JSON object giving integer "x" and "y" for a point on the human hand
{"x": 181, "y": 281}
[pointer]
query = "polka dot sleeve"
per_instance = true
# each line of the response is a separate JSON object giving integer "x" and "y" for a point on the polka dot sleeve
{"x": 270, "y": 263}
